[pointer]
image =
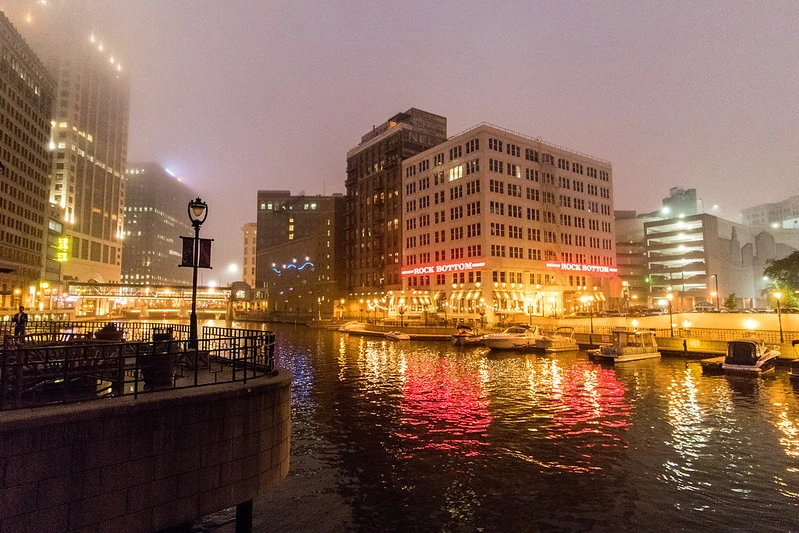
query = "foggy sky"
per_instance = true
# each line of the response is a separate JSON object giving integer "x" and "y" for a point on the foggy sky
{"x": 236, "y": 96}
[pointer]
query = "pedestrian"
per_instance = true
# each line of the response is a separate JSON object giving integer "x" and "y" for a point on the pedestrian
{"x": 21, "y": 322}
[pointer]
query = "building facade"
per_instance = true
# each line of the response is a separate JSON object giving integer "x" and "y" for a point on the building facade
{"x": 27, "y": 92}
{"x": 373, "y": 234}
{"x": 501, "y": 227}
{"x": 249, "y": 234}
{"x": 155, "y": 219}
{"x": 783, "y": 214}
{"x": 299, "y": 256}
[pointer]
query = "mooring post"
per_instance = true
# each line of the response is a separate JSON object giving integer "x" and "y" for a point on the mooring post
{"x": 244, "y": 517}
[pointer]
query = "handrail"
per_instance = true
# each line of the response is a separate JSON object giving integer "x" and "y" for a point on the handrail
{"x": 67, "y": 370}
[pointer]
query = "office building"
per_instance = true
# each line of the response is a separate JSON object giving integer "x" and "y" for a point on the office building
{"x": 249, "y": 234}
{"x": 155, "y": 219}
{"x": 89, "y": 135}
{"x": 499, "y": 226}
{"x": 299, "y": 256}
{"x": 26, "y": 100}
{"x": 373, "y": 235}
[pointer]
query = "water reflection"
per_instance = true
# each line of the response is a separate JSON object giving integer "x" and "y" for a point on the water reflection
{"x": 420, "y": 435}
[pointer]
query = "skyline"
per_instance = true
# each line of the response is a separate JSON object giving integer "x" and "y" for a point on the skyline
{"x": 272, "y": 96}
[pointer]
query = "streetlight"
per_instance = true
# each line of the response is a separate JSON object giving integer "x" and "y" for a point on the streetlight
{"x": 401, "y": 311}
{"x": 669, "y": 296}
{"x": 481, "y": 310}
{"x": 198, "y": 212}
{"x": 716, "y": 280}
{"x": 778, "y": 296}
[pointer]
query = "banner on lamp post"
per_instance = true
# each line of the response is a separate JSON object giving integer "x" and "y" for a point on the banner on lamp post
{"x": 203, "y": 256}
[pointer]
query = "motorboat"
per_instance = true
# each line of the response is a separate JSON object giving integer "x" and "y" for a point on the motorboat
{"x": 750, "y": 356}
{"x": 466, "y": 337}
{"x": 397, "y": 336}
{"x": 627, "y": 346}
{"x": 562, "y": 340}
{"x": 793, "y": 369}
{"x": 519, "y": 337}
{"x": 352, "y": 326}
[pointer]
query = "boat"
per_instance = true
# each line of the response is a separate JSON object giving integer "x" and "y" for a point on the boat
{"x": 561, "y": 341}
{"x": 397, "y": 336}
{"x": 627, "y": 346}
{"x": 466, "y": 337}
{"x": 352, "y": 326}
{"x": 793, "y": 369}
{"x": 749, "y": 356}
{"x": 520, "y": 337}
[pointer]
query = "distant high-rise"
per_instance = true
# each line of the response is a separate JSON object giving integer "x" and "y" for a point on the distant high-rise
{"x": 373, "y": 234}
{"x": 155, "y": 218}
{"x": 26, "y": 98}
{"x": 89, "y": 139}
{"x": 250, "y": 232}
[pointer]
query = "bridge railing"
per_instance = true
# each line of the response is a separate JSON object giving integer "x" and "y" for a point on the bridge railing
{"x": 79, "y": 369}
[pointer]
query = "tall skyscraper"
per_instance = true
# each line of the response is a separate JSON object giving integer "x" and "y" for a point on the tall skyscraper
{"x": 26, "y": 98}
{"x": 373, "y": 234}
{"x": 155, "y": 218}
{"x": 89, "y": 138}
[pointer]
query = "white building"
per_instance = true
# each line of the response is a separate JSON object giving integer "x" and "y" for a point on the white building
{"x": 497, "y": 225}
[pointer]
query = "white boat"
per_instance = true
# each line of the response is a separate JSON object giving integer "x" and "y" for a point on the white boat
{"x": 397, "y": 336}
{"x": 466, "y": 337}
{"x": 628, "y": 346}
{"x": 561, "y": 341}
{"x": 351, "y": 326}
{"x": 750, "y": 356}
{"x": 793, "y": 369}
{"x": 519, "y": 337}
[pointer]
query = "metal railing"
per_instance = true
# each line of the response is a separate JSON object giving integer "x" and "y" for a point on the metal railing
{"x": 77, "y": 368}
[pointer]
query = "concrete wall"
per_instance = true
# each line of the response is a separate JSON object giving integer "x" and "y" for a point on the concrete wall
{"x": 125, "y": 465}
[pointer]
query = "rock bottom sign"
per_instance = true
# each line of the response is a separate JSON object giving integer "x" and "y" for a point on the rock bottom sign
{"x": 578, "y": 267}
{"x": 440, "y": 269}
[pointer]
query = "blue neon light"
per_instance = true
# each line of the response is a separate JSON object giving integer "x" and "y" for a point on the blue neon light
{"x": 307, "y": 263}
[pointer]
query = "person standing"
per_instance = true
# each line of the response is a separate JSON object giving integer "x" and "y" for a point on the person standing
{"x": 21, "y": 322}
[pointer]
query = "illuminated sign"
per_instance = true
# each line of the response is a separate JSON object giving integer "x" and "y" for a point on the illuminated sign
{"x": 440, "y": 269}
{"x": 292, "y": 265}
{"x": 577, "y": 267}
{"x": 62, "y": 249}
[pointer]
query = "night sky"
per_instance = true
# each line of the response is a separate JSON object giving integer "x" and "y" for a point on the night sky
{"x": 236, "y": 96}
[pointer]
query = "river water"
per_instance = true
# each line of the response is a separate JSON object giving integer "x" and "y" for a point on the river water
{"x": 402, "y": 436}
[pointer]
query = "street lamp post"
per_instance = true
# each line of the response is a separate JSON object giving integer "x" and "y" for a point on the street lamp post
{"x": 718, "y": 296}
{"x": 401, "y": 311}
{"x": 669, "y": 296}
{"x": 198, "y": 212}
{"x": 778, "y": 296}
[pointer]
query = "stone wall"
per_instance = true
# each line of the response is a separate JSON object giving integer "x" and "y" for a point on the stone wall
{"x": 144, "y": 464}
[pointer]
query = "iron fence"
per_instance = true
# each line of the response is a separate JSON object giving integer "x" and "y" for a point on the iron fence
{"x": 78, "y": 368}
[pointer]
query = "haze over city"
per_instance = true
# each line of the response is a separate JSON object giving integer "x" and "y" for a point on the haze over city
{"x": 236, "y": 97}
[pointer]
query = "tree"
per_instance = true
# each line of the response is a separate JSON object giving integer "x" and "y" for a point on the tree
{"x": 784, "y": 276}
{"x": 730, "y": 303}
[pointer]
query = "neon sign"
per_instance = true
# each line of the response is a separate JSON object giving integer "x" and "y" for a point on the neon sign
{"x": 306, "y": 264}
{"x": 577, "y": 267}
{"x": 439, "y": 269}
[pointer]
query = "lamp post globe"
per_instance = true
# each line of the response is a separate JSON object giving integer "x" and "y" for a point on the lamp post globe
{"x": 198, "y": 212}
